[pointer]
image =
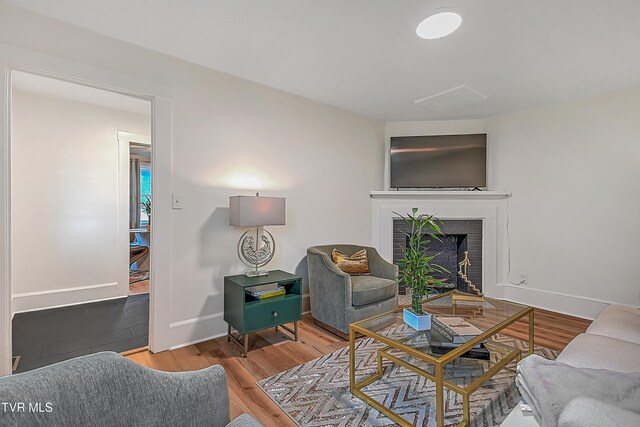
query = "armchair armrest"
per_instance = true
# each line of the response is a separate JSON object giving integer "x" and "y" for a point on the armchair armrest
{"x": 328, "y": 263}
{"x": 326, "y": 279}
{"x": 379, "y": 267}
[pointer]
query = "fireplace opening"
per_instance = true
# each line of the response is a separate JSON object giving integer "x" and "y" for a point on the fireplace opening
{"x": 448, "y": 252}
{"x": 462, "y": 238}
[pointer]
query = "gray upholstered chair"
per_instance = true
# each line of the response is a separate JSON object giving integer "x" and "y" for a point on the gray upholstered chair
{"x": 338, "y": 299}
{"x": 106, "y": 389}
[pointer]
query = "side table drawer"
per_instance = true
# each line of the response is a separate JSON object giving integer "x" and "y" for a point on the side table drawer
{"x": 268, "y": 314}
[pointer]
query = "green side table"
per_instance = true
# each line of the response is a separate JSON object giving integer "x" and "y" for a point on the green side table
{"x": 246, "y": 314}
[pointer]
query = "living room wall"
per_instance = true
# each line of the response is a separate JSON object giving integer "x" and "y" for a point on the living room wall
{"x": 232, "y": 136}
{"x": 574, "y": 170}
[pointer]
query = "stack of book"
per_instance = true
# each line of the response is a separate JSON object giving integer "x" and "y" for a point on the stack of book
{"x": 452, "y": 332}
{"x": 265, "y": 291}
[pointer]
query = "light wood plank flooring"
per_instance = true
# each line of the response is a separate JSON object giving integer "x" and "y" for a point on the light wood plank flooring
{"x": 272, "y": 352}
{"x": 139, "y": 288}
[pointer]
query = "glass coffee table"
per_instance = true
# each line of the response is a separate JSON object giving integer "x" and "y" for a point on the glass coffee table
{"x": 413, "y": 349}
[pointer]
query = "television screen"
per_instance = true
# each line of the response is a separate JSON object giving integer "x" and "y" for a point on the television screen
{"x": 439, "y": 161}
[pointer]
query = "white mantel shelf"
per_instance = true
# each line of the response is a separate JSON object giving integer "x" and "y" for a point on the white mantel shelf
{"x": 440, "y": 195}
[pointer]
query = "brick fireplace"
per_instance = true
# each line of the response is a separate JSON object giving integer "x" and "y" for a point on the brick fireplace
{"x": 459, "y": 236}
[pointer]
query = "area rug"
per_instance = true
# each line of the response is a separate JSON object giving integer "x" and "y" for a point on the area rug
{"x": 136, "y": 276}
{"x": 317, "y": 392}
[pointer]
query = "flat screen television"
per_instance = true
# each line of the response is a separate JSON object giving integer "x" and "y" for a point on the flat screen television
{"x": 439, "y": 161}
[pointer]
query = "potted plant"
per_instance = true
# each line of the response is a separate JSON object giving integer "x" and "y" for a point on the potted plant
{"x": 417, "y": 268}
{"x": 146, "y": 205}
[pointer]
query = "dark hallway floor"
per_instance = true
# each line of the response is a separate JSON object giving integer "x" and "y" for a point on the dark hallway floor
{"x": 44, "y": 337}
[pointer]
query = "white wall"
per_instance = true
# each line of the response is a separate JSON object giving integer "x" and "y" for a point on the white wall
{"x": 67, "y": 237}
{"x": 574, "y": 170}
{"x": 325, "y": 161}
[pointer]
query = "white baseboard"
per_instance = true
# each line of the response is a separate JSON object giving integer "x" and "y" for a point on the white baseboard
{"x": 574, "y": 305}
{"x": 42, "y": 300}
{"x": 213, "y": 337}
{"x": 205, "y": 328}
{"x": 306, "y": 303}
{"x": 196, "y": 330}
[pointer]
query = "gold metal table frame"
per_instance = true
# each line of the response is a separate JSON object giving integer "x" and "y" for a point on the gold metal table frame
{"x": 509, "y": 354}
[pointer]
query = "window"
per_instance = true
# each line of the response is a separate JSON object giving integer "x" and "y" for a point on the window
{"x": 145, "y": 191}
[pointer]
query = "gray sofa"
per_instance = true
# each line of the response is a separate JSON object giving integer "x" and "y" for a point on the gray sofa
{"x": 106, "y": 389}
{"x": 338, "y": 299}
{"x": 610, "y": 344}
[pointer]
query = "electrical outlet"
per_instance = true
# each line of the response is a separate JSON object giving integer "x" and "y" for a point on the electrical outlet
{"x": 524, "y": 278}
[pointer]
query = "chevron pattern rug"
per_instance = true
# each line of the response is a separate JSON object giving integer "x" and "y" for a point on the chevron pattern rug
{"x": 317, "y": 392}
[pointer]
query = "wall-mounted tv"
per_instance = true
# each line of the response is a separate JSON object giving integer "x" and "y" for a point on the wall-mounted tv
{"x": 439, "y": 161}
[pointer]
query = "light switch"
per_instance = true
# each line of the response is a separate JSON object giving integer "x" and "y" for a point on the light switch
{"x": 177, "y": 201}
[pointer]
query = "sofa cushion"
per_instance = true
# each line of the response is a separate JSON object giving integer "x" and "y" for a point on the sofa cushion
{"x": 600, "y": 352}
{"x": 371, "y": 289}
{"x": 618, "y": 321}
{"x": 548, "y": 386}
{"x": 585, "y": 412}
{"x": 580, "y": 412}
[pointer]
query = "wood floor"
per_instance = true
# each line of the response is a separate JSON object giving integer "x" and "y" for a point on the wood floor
{"x": 272, "y": 352}
{"x": 139, "y": 288}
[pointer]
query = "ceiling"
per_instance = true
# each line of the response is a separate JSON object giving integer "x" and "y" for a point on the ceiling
{"x": 364, "y": 56}
{"x": 76, "y": 92}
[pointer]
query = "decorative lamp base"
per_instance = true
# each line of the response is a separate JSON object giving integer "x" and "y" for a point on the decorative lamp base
{"x": 256, "y": 273}
{"x": 256, "y": 252}
{"x": 417, "y": 322}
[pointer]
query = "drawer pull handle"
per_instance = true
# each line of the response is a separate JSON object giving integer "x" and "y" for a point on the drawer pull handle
{"x": 275, "y": 313}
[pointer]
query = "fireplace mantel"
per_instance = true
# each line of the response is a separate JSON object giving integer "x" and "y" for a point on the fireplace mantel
{"x": 440, "y": 195}
{"x": 488, "y": 206}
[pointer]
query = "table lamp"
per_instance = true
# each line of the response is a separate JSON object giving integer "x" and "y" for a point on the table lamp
{"x": 256, "y": 247}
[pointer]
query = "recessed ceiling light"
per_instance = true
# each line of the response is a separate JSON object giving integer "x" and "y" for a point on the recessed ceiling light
{"x": 438, "y": 25}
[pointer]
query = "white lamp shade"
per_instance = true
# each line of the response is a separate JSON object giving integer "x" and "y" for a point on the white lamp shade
{"x": 256, "y": 211}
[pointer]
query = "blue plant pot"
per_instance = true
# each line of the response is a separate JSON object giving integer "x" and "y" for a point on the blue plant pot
{"x": 417, "y": 322}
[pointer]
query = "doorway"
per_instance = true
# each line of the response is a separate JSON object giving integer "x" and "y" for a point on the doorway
{"x": 70, "y": 221}
{"x": 140, "y": 210}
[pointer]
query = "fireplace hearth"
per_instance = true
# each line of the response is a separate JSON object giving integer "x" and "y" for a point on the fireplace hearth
{"x": 459, "y": 236}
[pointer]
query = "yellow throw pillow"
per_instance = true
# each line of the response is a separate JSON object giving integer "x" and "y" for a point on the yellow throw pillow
{"x": 356, "y": 264}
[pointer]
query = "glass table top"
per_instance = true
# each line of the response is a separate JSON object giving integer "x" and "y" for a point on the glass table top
{"x": 477, "y": 317}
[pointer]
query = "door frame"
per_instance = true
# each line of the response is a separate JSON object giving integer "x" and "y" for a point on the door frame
{"x": 13, "y": 58}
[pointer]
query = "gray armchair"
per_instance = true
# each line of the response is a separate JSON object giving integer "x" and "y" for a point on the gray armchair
{"x": 106, "y": 389}
{"x": 338, "y": 299}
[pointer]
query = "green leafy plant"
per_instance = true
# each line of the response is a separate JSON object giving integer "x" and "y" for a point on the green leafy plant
{"x": 416, "y": 267}
{"x": 146, "y": 205}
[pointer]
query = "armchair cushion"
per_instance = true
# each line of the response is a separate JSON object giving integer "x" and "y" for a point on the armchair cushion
{"x": 371, "y": 289}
